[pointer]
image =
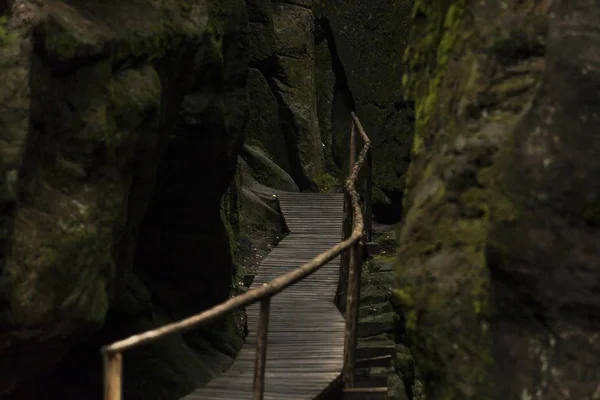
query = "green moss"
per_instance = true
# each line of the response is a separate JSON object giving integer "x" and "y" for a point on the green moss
{"x": 404, "y": 297}
{"x": 5, "y": 36}
{"x": 411, "y": 321}
{"x": 133, "y": 95}
{"x": 69, "y": 252}
{"x": 62, "y": 44}
{"x": 444, "y": 278}
{"x": 417, "y": 146}
{"x": 428, "y": 56}
{"x": 325, "y": 182}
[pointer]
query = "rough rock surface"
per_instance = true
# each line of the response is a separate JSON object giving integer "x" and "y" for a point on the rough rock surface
{"x": 264, "y": 125}
{"x": 497, "y": 261}
{"x": 265, "y": 171}
{"x": 325, "y": 87}
{"x": 295, "y": 89}
{"x": 369, "y": 39}
{"x": 284, "y": 119}
{"x": 116, "y": 118}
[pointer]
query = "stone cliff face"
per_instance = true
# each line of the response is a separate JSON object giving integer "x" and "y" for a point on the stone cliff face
{"x": 139, "y": 141}
{"x": 367, "y": 40}
{"x": 315, "y": 61}
{"x": 497, "y": 253}
{"x": 120, "y": 126}
{"x": 283, "y": 106}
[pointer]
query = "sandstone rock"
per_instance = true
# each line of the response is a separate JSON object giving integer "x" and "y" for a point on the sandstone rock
{"x": 497, "y": 253}
{"x": 265, "y": 171}
{"x": 370, "y": 38}
{"x": 325, "y": 87}
{"x": 376, "y": 324}
{"x": 294, "y": 87}
{"x": 375, "y": 309}
{"x": 261, "y": 31}
{"x": 97, "y": 97}
{"x": 263, "y": 128}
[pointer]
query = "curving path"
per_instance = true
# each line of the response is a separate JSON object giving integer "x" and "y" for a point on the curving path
{"x": 306, "y": 330}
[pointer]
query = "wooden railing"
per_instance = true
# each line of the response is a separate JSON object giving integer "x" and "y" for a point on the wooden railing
{"x": 352, "y": 251}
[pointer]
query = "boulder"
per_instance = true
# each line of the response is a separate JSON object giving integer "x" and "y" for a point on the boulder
{"x": 265, "y": 171}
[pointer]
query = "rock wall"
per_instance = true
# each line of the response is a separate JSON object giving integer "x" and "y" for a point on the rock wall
{"x": 367, "y": 40}
{"x": 313, "y": 62}
{"x": 125, "y": 180}
{"x": 283, "y": 108}
{"x": 496, "y": 257}
{"x": 120, "y": 125}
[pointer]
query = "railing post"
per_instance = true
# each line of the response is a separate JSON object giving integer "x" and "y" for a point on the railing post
{"x": 352, "y": 148}
{"x": 347, "y": 227}
{"x": 260, "y": 361}
{"x": 113, "y": 368}
{"x": 352, "y": 307}
{"x": 342, "y": 291}
{"x": 369, "y": 197}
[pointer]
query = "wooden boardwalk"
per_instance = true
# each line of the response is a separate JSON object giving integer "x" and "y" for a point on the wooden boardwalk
{"x": 306, "y": 330}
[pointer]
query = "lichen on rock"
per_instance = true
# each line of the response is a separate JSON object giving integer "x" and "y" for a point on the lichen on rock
{"x": 478, "y": 255}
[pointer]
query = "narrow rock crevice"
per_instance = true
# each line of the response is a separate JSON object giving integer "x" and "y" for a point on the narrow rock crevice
{"x": 341, "y": 81}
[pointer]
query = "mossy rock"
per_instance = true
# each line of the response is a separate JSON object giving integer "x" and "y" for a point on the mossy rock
{"x": 101, "y": 101}
{"x": 468, "y": 244}
{"x": 384, "y": 281}
{"x": 375, "y": 343}
{"x": 326, "y": 182}
{"x": 265, "y": 171}
{"x": 405, "y": 365}
{"x": 397, "y": 388}
{"x": 373, "y": 295}
{"x": 377, "y": 324}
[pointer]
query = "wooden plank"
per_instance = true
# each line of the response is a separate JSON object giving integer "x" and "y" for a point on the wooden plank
{"x": 306, "y": 331}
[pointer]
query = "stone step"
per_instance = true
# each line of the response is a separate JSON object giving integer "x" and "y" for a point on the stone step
{"x": 371, "y": 381}
{"x": 376, "y": 349}
{"x": 377, "y": 338}
{"x": 371, "y": 294}
{"x": 380, "y": 393}
{"x": 377, "y": 324}
{"x": 375, "y": 309}
{"x": 380, "y": 361}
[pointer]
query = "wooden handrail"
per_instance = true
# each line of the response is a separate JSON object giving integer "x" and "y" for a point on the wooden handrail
{"x": 112, "y": 354}
{"x": 352, "y": 263}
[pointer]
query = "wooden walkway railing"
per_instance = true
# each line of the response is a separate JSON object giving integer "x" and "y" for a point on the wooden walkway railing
{"x": 356, "y": 232}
